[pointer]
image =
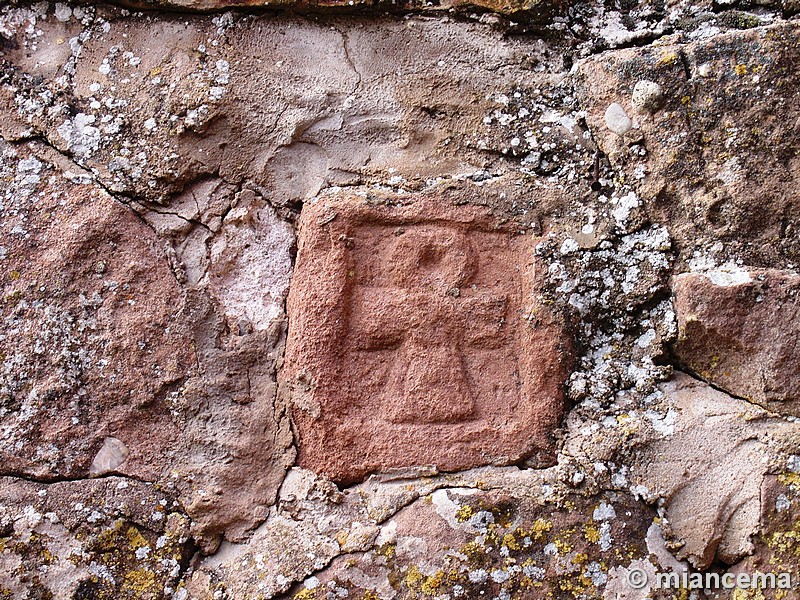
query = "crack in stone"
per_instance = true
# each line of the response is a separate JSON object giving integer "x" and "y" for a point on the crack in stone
{"x": 42, "y": 138}
{"x": 348, "y": 58}
{"x": 58, "y": 479}
{"x": 148, "y": 206}
{"x": 681, "y": 368}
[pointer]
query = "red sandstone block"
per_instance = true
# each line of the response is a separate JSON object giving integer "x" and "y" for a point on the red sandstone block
{"x": 738, "y": 330}
{"x": 414, "y": 339}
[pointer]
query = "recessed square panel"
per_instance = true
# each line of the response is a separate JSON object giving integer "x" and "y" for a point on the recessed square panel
{"x": 415, "y": 339}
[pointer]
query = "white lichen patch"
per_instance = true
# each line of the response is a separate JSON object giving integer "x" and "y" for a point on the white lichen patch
{"x": 729, "y": 273}
{"x": 663, "y": 424}
{"x": 782, "y": 503}
{"x": 604, "y": 512}
{"x": 80, "y": 135}
{"x": 608, "y": 283}
{"x": 793, "y": 463}
{"x": 447, "y": 508}
{"x": 14, "y": 19}
{"x": 623, "y": 207}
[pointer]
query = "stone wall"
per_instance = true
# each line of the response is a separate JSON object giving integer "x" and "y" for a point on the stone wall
{"x": 398, "y": 300}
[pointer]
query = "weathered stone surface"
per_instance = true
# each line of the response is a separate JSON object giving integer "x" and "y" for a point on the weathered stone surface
{"x": 322, "y": 522}
{"x": 353, "y": 101}
{"x": 710, "y": 470}
{"x": 462, "y": 542}
{"x": 232, "y": 257}
{"x": 501, "y": 529}
{"x": 107, "y": 538}
{"x": 194, "y": 142}
{"x": 711, "y": 148}
{"x": 739, "y": 331}
{"x": 776, "y": 544}
{"x": 106, "y": 337}
{"x": 92, "y": 342}
{"x": 702, "y": 457}
{"x": 414, "y": 339}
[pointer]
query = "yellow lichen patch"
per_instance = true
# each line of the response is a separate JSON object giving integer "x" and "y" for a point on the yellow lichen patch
{"x": 626, "y": 553}
{"x": 140, "y": 583}
{"x": 304, "y": 594}
{"x": 591, "y": 532}
{"x": 135, "y": 538}
{"x": 510, "y": 542}
{"x": 419, "y": 583}
{"x": 431, "y": 585}
{"x": 790, "y": 479}
{"x": 667, "y": 59}
{"x": 787, "y": 542}
{"x": 740, "y": 70}
{"x": 387, "y": 550}
{"x": 464, "y": 513}
{"x": 540, "y": 528}
{"x": 748, "y": 595}
{"x": 562, "y": 546}
{"x": 47, "y": 556}
{"x": 413, "y": 577}
{"x": 577, "y": 586}
{"x": 473, "y": 551}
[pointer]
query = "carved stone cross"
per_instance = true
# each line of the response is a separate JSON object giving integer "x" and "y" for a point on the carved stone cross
{"x": 430, "y": 324}
{"x": 414, "y": 339}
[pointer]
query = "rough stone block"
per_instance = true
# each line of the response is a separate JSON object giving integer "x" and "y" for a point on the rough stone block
{"x": 414, "y": 339}
{"x": 739, "y": 331}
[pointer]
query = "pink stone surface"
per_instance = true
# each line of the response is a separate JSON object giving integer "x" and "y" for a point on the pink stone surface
{"x": 414, "y": 340}
{"x": 94, "y": 322}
